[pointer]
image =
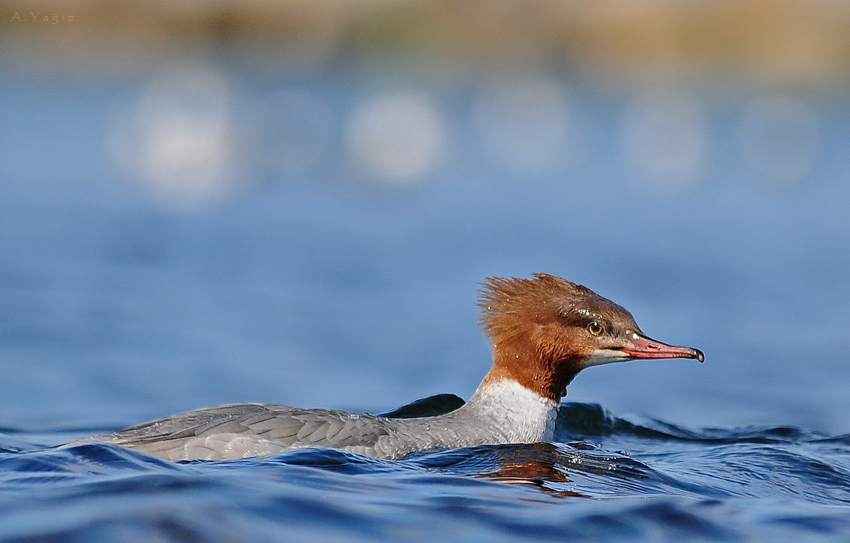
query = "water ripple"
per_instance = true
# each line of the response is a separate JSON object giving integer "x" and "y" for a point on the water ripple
{"x": 607, "y": 477}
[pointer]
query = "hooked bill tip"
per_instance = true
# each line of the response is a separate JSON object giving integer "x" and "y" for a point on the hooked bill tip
{"x": 698, "y": 355}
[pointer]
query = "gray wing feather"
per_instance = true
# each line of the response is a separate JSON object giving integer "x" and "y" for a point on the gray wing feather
{"x": 255, "y": 428}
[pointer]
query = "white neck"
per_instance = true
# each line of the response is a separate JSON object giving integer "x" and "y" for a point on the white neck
{"x": 517, "y": 413}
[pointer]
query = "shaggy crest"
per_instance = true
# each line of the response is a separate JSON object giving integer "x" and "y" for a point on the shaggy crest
{"x": 510, "y": 302}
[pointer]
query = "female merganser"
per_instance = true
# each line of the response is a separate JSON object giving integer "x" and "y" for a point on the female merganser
{"x": 543, "y": 331}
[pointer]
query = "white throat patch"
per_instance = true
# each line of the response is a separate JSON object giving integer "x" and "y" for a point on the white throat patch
{"x": 522, "y": 415}
{"x": 604, "y": 356}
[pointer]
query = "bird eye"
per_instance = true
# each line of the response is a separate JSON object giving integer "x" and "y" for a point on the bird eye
{"x": 594, "y": 328}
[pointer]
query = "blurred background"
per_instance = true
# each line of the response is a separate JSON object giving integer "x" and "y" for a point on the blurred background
{"x": 294, "y": 202}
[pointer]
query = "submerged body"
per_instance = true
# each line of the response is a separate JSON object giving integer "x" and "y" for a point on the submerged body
{"x": 543, "y": 331}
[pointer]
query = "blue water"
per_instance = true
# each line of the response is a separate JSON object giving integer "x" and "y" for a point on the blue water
{"x": 606, "y": 478}
{"x": 312, "y": 280}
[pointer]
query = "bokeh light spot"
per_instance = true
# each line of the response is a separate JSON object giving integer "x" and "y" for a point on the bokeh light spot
{"x": 396, "y": 138}
{"x": 176, "y": 138}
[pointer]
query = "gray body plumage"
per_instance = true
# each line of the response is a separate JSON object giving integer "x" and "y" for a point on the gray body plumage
{"x": 501, "y": 413}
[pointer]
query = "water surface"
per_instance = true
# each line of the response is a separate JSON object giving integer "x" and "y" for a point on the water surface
{"x": 260, "y": 251}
